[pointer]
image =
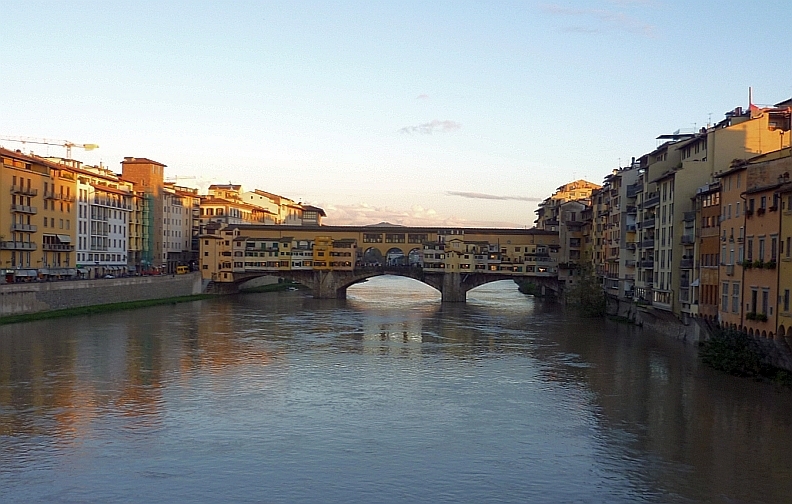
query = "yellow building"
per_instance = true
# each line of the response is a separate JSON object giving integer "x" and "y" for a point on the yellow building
{"x": 785, "y": 264}
{"x": 227, "y": 250}
{"x": 547, "y": 211}
{"x": 38, "y": 219}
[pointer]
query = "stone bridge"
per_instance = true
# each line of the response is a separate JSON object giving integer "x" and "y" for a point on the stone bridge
{"x": 453, "y": 286}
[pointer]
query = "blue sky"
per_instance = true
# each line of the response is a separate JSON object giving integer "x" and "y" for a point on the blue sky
{"x": 413, "y": 112}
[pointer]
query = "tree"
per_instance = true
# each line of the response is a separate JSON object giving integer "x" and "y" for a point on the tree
{"x": 586, "y": 295}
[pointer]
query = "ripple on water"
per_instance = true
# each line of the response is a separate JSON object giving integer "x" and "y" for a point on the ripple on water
{"x": 389, "y": 396}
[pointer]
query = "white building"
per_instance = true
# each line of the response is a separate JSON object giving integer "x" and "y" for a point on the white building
{"x": 104, "y": 207}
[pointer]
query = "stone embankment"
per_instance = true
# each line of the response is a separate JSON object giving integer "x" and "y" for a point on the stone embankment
{"x": 24, "y": 298}
{"x": 773, "y": 352}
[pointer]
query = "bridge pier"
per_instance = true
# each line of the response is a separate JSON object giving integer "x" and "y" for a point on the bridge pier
{"x": 453, "y": 290}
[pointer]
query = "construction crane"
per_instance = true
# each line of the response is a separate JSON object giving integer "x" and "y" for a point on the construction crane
{"x": 46, "y": 141}
{"x": 176, "y": 178}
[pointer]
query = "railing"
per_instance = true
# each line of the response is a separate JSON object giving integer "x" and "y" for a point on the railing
{"x": 631, "y": 228}
{"x": 647, "y": 223}
{"x": 67, "y": 247}
{"x": 689, "y": 217}
{"x": 634, "y": 189}
{"x": 646, "y": 263}
{"x": 686, "y": 264}
{"x": 27, "y": 191}
{"x": 652, "y": 199}
{"x": 632, "y": 210}
{"x": 48, "y": 194}
{"x": 688, "y": 240}
{"x": 25, "y": 228}
{"x": 17, "y": 245}
{"x": 24, "y": 209}
{"x": 632, "y": 246}
{"x": 648, "y": 243}
{"x": 730, "y": 270}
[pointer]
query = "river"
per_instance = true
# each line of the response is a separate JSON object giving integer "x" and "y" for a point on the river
{"x": 388, "y": 396}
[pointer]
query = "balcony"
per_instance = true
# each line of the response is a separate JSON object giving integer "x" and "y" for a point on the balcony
{"x": 689, "y": 217}
{"x": 647, "y": 223}
{"x": 634, "y": 189}
{"x": 648, "y": 243}
{"x": 17, "y": 245}
{"x": 629, "y": 263}
{"x": 688, "y": 240}
{"x": 48, "y": 195}
{"x": 729, "y": 270}
{"x": 632, "y": 210}
{"x": 631, "y": 246}
{"x": 651, "y": 200}
{"x": 65, "y": 197}
{"x": 686, "y": 264}
{"x": 24, "y": 228}
{"x": 58, "y": 247}
{"x": 646, "y": 263}
{"x": 631, "y": 228}
{"x": 24, "y": 209}
{"x": 26, "y": 191}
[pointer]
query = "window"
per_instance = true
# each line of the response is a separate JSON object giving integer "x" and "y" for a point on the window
{"x": 786, "y": 300}
{"x": 750, "y": 249}
{"x": 725, "y": 297}
{"x": 735, "y": 297}
{"x": 765, "y": 301}
{"x": 761, "y": 249}
{"x": 773, "y": 248}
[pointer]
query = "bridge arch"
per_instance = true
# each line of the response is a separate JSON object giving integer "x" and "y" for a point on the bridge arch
{"x": 372, "y": 256}
{"x": 415, "y": 257}
{"x": 395, "y": 257}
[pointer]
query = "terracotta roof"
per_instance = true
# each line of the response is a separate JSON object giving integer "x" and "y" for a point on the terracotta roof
{"x": 140, "y": 160}
{"x": 312, "y": 208}
{"x": 111, "y": 189}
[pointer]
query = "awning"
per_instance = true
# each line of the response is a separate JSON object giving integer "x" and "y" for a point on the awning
{"x": 71, "y": 272}
{"x": 30, "y": 273}
{"x": 83, "y": 271}
{"x": 694, "y": 283}
{"x": 64, "y": 238}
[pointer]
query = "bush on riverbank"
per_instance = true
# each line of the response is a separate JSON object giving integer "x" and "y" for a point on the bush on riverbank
{"x": 274, "y": 287}
{"x": 586, "y": 295}
{"x": 734, "y": 352}
{"x": 529, "y": 288}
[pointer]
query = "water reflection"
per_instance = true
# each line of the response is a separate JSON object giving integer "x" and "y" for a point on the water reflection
{"x": 387, "y": 396}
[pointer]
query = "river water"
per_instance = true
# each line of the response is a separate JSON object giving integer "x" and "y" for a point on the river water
{"x": 388, "y": 396}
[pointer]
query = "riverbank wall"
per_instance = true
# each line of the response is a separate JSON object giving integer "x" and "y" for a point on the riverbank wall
{"x": 775, "y": 352}
{"x": 24, "y": 298}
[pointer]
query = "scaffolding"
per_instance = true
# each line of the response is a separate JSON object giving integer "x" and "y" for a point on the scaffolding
{"x": 148, "y": 233}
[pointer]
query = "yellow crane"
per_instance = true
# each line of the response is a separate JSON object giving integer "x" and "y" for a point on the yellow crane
{"x": 46, "y": 141}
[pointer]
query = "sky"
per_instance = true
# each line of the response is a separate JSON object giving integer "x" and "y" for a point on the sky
{"x": 416, "y": 113}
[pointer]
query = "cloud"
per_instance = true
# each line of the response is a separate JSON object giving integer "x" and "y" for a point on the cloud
{"x": 431, "y": 127}
{"x": 475, "y": 195}
{"x": 422, "y": 97}
{"x": 599, "y": 20}
{"x": 363, "y": 214}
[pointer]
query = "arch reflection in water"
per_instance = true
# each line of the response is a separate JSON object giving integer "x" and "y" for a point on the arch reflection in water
{"x": 395, "y": 309}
